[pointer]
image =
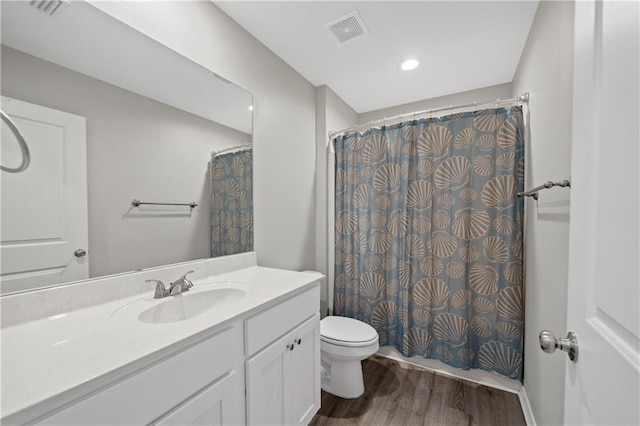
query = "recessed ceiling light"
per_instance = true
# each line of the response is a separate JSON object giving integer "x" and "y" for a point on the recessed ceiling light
{"x": 250, "y": 107}
{"x": 409, "y": 64}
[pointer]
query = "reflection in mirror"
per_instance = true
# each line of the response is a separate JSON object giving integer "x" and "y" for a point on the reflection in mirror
{"x": 231, "y": 201}
{"x": 110, "y": 116}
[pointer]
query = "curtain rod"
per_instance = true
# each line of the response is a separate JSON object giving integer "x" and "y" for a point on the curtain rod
{"x": 524, "y": 98}
{"x": 214, "y": 153}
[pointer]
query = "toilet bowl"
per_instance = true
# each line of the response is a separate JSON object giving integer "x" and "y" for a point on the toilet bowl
{"x": 344, "y": 343}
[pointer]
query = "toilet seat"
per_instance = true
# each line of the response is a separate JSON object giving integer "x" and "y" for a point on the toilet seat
{"x": 348, "y": 344}
{"x": 348, "y": 332}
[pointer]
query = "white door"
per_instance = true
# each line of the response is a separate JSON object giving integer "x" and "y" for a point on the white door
{"x": 44, "y": 208}
{"x": 603, "y": 386}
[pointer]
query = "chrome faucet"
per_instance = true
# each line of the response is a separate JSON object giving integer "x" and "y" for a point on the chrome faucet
{"x": 179, "y": 286}
{"x": 161, "y": 291}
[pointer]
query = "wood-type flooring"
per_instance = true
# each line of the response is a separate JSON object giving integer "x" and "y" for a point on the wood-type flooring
{"x": 397, "y": 393}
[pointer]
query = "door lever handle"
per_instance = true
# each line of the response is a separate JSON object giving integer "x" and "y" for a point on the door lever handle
{"x": 549, "y": 343}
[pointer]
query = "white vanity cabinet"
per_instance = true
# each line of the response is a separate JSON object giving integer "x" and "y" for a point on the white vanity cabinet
{"x": 283, "y": 378}
{"x": 261, "y": 367}
{"x": 201, "y": 385}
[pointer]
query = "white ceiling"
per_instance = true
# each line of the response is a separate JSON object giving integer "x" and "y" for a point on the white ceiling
{"x": 461, "y": 45}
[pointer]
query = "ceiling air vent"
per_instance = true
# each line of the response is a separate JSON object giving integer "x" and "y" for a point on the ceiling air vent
{"x": 49, "y": 6}
{"x": 347, "y": 28}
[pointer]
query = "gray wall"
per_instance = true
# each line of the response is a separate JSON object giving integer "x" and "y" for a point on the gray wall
{"x": 501, "y": 91}
{"x": 546, "y": 72}
{"x": 284, "y": 117}
{"x": 136, "y": 148}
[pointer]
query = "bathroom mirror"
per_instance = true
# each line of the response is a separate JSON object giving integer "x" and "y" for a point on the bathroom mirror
{"x": 152, "y": 117}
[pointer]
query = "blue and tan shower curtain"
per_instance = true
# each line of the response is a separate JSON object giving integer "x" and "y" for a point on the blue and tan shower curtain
{"x": 231, "y": 203}
{"x": 429, "y": 246}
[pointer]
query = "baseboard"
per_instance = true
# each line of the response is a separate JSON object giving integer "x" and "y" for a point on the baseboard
{"x": 481, "y": 377}
{"x": 526, "y": 407}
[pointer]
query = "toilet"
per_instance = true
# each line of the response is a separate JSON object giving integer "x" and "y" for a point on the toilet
{"x": 344, "y": 343}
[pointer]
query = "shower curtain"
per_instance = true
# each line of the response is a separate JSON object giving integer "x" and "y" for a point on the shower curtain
{"x": 231, "y": 203}
{"x": 428, "y": 239}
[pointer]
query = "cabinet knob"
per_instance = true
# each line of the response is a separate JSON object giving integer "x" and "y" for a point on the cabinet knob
{"x": 298, "y": 341}
{"x": 291, "y": 347}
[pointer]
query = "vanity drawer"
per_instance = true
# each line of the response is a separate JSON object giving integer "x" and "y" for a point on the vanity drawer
{"x": 267, "y": 326}
{"x": 149, "y": 393}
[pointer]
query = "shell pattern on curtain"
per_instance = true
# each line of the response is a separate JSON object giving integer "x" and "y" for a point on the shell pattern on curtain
{"x": 231, "y": 203}
{"x": 429, "y": 247}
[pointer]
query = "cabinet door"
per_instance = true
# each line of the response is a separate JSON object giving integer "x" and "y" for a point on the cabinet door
{"x": 302, "y": 374}
{"x": 218, "y": 404}
{"x": 283, "y": 380}
{"x": 265, "y": 384}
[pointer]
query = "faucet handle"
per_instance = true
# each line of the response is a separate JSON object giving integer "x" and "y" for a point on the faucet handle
{"x": 185, "y": 281}
{"x": 161, "y": 291}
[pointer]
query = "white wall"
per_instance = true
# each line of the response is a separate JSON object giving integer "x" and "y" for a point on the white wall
{"x": 332, "y": 114}
{"x": 501, "y": 91}
{"x": 284, "y": 117}
{"x": 546, "y": 72}
{"x": 136, "y": 148}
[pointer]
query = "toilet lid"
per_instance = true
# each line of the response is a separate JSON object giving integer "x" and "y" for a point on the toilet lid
{"x": 347, "y": 330}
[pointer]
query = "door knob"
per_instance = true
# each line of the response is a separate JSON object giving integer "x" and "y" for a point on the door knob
{"x": 549, "y": 343}
{"x": 80, "y": 253}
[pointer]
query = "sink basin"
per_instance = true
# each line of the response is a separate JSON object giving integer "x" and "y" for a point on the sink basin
{"x": 190, "y": 305}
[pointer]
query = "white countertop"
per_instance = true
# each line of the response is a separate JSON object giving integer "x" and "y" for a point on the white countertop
{"x": 49, "y": 362}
